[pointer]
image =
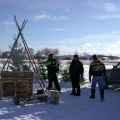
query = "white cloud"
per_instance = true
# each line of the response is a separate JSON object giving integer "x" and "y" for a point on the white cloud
{"x": 59, "y": 29}
{"x": 42, "y": 17}
{"x": 92, "y": 4}
{"x": 113, "y": 49}
{"x": 102, "y": 17}
{"x": 37, "y": 17}
{"x": 107, "y": 6}
{"x": 8, "y": 23}
{"x": 66, "y": 9}
{"x": 59, "y": 18}
{"x": 110, "y": 7}
{"x": 107, "y": 44}
{"x": 98, "y": 44}
{"x": 68, "y": 50}
{"x": 116, "y": 32}
{"x": 87, "y": 45}
{"x": 100, "y": 38}
{"x": 118, "y": 42}
{"x": 89, "y": 48}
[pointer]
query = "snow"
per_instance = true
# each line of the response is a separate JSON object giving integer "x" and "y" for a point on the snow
{"x": 69, "y": 107}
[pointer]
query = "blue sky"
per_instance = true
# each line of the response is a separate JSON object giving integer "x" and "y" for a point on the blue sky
{"x": 91, "y": 26}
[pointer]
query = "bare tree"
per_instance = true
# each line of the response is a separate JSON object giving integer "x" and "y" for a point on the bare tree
{"x": 85, "y": 54}
{"x": 39, "y": 53}
{"x": 46, "y": 51}
{"x": 31, "y": 51}
{"x": 55, "y": 51}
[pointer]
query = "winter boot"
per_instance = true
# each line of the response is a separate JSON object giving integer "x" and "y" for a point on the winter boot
{"x": 102, "y": 94}
{"x": 93, "y": 93}
{"x": 78, "y": 92}
{"x": 73, "y": 92}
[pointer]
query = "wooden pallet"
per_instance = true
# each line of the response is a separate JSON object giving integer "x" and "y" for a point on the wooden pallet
{"x": 16, "y": 83}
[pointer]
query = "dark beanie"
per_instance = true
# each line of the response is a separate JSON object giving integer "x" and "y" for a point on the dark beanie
{"x": 76, "y": 56}
{"x": 50, "y": 55}
{"x": 94, "y": 57}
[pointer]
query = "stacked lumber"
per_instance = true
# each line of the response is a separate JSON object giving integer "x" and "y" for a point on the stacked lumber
{"x": 16, "y": 83}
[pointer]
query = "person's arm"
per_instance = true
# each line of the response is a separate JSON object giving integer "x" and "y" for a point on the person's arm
{"x": 58, "y": 65}
{"x": 47, "y": 63}
{"x": 104, "y": 70}
{"x": 70, "y": 69}
{"x": 82, "y": 70}
{"x": 90, "y": 73}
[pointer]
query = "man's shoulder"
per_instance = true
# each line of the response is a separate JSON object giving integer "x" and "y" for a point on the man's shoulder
{"x": 95, "y": 62}
{"x": 80, "y": 62}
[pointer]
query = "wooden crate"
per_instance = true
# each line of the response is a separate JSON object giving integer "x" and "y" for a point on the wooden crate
{"x": 16, "y": 83}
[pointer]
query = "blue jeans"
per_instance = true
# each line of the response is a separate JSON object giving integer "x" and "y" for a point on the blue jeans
{"x": 100, "y": 81}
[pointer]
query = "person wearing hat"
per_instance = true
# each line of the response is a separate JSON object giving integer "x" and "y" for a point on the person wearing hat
{"x": 52, "y": 67}
{"x": 97, "y": 70}
{"x": 76, "y": 73}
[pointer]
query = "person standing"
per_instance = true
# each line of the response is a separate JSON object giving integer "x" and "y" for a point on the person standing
{"x": 76, "y": 71}
{"x": 52, "y": 67}
{"x": 97, "y": 70}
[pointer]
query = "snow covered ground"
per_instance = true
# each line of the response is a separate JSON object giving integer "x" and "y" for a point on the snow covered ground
{"x": 69, "y": 107}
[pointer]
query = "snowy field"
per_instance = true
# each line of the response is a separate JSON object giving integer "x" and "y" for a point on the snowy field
{"x": 69, "y": 107}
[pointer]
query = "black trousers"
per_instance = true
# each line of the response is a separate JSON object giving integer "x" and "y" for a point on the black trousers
{"x": 76, "y": 83}
{"x": 52, "y": 77}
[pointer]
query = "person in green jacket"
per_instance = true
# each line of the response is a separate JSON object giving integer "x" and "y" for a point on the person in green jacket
{"x": 53, "y": 68}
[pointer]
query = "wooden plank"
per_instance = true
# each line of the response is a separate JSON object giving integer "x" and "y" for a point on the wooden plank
{"x": 8, "y": 85}
{"x": 17, "y": 78}
{"x": 12, "y": 81}
{"x": 12, "y": 72}
{"x": 8, "y": 89}
{"x": 17, "y": 75}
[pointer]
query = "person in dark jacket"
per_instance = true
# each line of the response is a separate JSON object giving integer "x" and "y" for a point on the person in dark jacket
{"x": 97, "y": 70}
{"x": 76, "y": 71}
{"x": 52, "y": 67}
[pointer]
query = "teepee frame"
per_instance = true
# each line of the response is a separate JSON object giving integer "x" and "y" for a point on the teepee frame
{"x": 36, "y": 72}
